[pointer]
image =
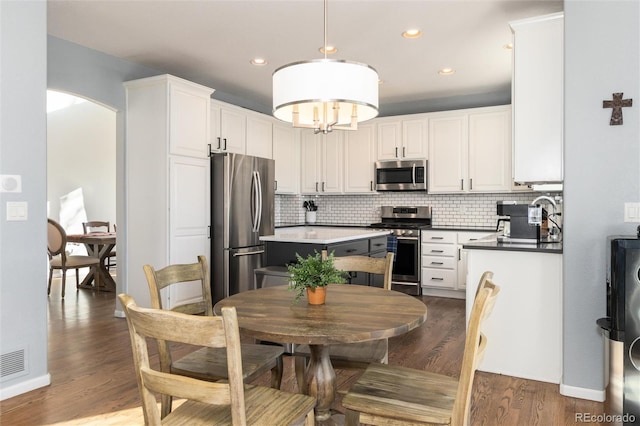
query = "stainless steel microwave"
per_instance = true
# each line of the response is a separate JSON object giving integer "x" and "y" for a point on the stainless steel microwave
{"x": 402, "y": 175}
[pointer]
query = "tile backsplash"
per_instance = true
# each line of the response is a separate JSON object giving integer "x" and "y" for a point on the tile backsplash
{"x": 449, "y": 210}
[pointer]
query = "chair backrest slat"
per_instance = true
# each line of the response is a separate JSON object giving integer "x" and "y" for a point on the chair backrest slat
{"x": 380, "y": 266}
{"x": 96, "y": 226}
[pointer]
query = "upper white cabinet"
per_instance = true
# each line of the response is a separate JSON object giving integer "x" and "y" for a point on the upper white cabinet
{"x": 402, "y": 137}
{"x": 286, "y": 153}
{"x": 259, "y": 135}
{"x": 167, "y": 204}
{"x": 359, "y": 158}
{"x": 228, "y": 128}
{"x": 538, "y": 101}
{"x": 321, "y": 162}
{"x": 470, "y": 150}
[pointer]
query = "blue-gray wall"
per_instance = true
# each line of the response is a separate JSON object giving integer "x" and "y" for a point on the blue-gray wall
{"x": 602, "y": 169}
{"x": 23, "y": 259}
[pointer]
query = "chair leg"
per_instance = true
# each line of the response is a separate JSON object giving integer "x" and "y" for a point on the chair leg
{"x": 50, "y": 279}
{"x": 276, "y": 374}
{"x": 64, "y": 281}
{"x": 300, "y": 366}
{"x": 77, "y": 278}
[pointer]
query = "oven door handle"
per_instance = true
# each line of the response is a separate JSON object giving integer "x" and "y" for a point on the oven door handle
{"x": 408, "y": 238}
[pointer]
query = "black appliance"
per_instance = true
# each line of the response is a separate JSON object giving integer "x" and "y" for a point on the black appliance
{"x": 401, "y": 175}
{"x": 520, "y": 229}
{"x": 405, "y": 224}
{"x": 621, "y": 328}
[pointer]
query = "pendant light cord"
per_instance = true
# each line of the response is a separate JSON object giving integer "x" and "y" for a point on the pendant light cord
{"x": 325, "y": 28}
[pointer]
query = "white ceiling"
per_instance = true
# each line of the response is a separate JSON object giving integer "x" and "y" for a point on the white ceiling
{"x": 212, "y": 41}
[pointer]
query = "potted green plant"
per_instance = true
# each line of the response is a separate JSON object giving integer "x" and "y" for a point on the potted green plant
{"x": 312, "y": 275}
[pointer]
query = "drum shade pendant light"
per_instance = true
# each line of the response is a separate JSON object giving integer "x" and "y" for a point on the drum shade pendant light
{"x": 325, "y": 94}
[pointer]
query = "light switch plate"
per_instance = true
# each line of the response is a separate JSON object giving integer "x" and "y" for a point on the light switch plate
{"x": 17, "y": 210}
{"x": 632, "y": 212}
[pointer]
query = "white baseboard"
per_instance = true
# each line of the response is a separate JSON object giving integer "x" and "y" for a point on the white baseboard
{"x": 582, "y": 393}
{"x": 24, "y": 387}
{"x": 118, "y": 314}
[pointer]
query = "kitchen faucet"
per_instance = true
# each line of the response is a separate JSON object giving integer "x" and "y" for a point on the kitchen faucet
{"x": 552, "y": 232}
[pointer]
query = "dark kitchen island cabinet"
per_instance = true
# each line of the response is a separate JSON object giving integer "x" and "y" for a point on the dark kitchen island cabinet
{"x": 282, "y": 247}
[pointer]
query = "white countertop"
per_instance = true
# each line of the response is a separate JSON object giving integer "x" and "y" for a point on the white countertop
{"x": 321, "y": 234}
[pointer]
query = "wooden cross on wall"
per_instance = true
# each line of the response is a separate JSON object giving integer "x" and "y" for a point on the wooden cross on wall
{"x": 617, "y": 104}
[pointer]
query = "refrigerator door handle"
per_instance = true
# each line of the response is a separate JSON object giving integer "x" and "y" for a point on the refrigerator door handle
{"x": 248, "y": 253}
{"x": 254, "y": 202}
{"x": 259, "y": 221}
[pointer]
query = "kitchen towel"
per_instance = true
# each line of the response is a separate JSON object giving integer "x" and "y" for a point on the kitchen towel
{"x": 392, "y": 245}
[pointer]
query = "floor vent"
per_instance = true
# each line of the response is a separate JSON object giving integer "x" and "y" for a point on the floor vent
{"x": 12, "y": 364}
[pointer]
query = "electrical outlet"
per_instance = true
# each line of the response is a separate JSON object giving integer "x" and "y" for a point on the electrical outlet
{"x": 632, "y": 212}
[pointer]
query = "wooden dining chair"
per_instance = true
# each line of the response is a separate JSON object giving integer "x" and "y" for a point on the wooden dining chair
{"x": 206, "y": 363}
{"x": 387, "y": 394}
{"x": 58, "y": 258}
{"x": 352, "y": 356}
{"x": 101, "y": 226}
{"x": 228, "y": 402}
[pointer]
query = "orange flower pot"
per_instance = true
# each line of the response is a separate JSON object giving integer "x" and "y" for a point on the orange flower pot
{"x": 316, "y": 296}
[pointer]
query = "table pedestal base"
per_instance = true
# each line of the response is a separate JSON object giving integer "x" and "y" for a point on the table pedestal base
{"x": 320, "y": 381}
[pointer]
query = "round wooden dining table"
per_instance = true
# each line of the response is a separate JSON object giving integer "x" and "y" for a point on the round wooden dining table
{"x": 352, "y": 313}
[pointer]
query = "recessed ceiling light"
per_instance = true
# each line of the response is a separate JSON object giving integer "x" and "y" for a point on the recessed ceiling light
{"x": 412, "y": 33}
{"x": 330, "y": 49}
{"x": 258, "y": 61}
{"x": 446, "y": 71}
{"x": 508, "y": 46}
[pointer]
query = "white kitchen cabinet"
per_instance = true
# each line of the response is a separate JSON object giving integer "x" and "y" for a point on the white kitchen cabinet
{"x": 286, "y": 153}
{"x": 259, "y": 135}
{"x": 359, "y": 158}
{"x": 464, "y": 238}
{"x": 525, "y": 326}
{"x": 321, "y": 162}
{"x": 538, "y": 98}
{"x": 439, "y": 263}
{"x": 470, "y": 150}
{"x": 402, "y": 137}
{"x": 228, "y": 128}
{"x": 444, "y": 266}
{"x": 167, "y": 204}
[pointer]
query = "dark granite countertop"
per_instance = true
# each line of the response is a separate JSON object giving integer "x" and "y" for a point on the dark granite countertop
{"x": 491, "y": 243}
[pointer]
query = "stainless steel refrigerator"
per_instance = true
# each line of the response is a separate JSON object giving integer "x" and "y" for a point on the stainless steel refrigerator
{"x": 242, "y": 210}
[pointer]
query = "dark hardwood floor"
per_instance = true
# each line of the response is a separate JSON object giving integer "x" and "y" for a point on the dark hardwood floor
{"x": 93, "y": 380}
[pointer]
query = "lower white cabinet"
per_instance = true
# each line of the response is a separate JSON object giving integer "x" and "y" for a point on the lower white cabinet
{"x": 444, "y": 267}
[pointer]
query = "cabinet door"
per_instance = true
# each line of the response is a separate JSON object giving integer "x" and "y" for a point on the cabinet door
{"x": 259, "y": 137}
{"x": 359, "y": 158}
{"x": 232, "y": 130}
{"x": 310, "y": 161}
{"x": 490, "y": 151}
{"x": 447, "y": 154}
{"x": 189, "y": 118}
{"x": 389, "y": 140}
{"x": 538, "y": 99}
{"x": 332, "y": 160}
{"x": 286, "y": 153}
{"x": 414, "y": 138}
{"x": 188, "y": 220}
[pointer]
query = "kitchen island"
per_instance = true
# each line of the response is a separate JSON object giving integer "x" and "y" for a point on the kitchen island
{"x": 524, "y": 330}
{"x": 281, "y": 248}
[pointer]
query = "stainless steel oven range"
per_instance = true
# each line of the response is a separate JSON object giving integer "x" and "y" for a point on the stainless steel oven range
{"x": 405, "y": 224}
